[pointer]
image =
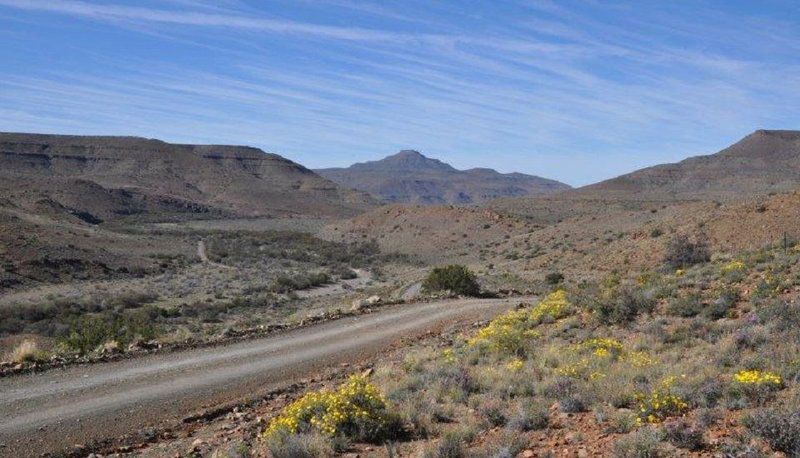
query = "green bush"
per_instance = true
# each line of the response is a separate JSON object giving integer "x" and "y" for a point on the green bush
{"x": 554, "y": 278}
{"x": 644, "y": 443}
{"x": 286, "y": 284}
{"x": 685, "y": 306}
{"x": 298, "y": 446}
{"x": 623, "y": 305}
{"x": 684, "y": 435}
{"x": 90, "y": 331}
{"x": 529, "y": 417}
{"x": 781, "y": 430}
{"x": 682, "y": 252}
{"x": 456, "y": 278}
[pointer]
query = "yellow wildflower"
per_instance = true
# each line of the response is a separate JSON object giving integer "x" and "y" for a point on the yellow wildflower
{"x": 355, "y": 404}
{"x": 515, "y": 365}
{"x": 733, "y": 266}
{"x": 757, "y": 377}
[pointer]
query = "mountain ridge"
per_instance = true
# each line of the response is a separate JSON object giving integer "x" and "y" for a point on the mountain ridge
{"x": 134, "y": 175}
{"x": 762, "y": 162}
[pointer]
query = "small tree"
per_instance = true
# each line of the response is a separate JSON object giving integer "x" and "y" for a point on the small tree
{"x": 682, "y": 251}
{"x": 456, "y": 278}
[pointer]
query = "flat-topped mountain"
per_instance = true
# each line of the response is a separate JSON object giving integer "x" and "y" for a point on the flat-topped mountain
{"x": 410, "y": 177}
{"x": 762, "y": 162}
{"x": 100, "y": 178}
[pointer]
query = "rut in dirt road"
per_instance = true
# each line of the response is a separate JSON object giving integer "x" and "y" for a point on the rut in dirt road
{"x": 52, "y": 411}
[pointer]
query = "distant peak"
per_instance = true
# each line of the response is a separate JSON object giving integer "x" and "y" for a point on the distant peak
{"x": 409, "y": 160}
{"x": 409, "y": 152}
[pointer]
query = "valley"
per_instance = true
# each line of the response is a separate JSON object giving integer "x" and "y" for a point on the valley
{"x": 159, "y": 280}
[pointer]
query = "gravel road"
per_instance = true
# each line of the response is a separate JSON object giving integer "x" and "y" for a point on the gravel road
{"x": 55, "y": 410}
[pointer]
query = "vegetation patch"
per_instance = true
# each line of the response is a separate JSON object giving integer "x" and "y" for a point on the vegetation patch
{"x": 454, "y": 278}
{"x": 355, "y": 410}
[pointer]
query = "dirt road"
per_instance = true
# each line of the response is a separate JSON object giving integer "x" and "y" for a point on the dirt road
{"x": 55, "y": 410}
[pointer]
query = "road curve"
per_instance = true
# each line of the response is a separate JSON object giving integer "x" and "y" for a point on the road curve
{"x": 53, "y": 411}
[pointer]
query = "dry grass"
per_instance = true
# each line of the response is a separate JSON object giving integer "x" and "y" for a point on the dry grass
{"x": 27, "y": 351}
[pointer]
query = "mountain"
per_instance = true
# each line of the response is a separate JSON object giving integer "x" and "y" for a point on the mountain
{"x": 410, "y": 177}
{"x": 763, "y": 162}
{"x": 100, "y": 178}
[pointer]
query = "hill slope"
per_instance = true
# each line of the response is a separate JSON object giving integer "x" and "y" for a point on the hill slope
{"x": 762, "y": 162}
{"x": 107, "y": 177}
{"x": 410, "y": 177}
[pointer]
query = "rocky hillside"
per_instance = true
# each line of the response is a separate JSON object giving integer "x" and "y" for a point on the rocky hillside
{"x": 101, "y": 178}
{"x": 432, "y": 233}
{"x": 762, "y": 162}
{"x": 410, "y": 177}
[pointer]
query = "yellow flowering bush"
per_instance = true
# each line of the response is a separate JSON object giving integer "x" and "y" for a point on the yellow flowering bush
{"x": 757, "y": 377}
{"x": 660, "y": 403}
{"x": 638, "y": 359}
{"x": 509, "y": 332}
{"x": 449, "y": 355}
{"x": 602, "y": 346}
{"x": 575, "y": 369}
{"x": 356, "y": 409}
{"x": 506, "y": 333}
{"x": 733, "y": 266}
{"x": 756, "y": 386}
{"x": 554, "y": 306}
{"x": 515, "y": 365}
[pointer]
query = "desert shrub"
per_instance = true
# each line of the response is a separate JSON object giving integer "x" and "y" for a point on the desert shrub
{"x": 682, "y": 252}
{"x": 684, "y": 435}
{"x": 554, "y": 278}
{"x": 27, "y": 352}
{"x": 234, "y": 246}
{"x": 456, "y": 278}
{"x": 572, "y": 404}
{"x": 529, "y": 417}
{"x": 685, "y": 306}
{"x": 781, "y": 429}
{"x": 512, "y": 332}
{"x": 781, "y": 315}
{"x": 285, "y": 284}
{"x": 720, "y": 306}
{"x": 559, "y": 387}
{"x": 451, "y": 445}
{"x": 709, "y": 417}
{"x": 644, "y": 443}
{"x": 656, "y": 232}
{"x": 356, "y": 410}
{"x": 734, "y": 271}
{"x": 493, "y": 410}
{"x": 88, "y": 332}
{"x": 755, "y": 386}
{"x": 703, "y": 392}
{"x": 661, "y": 402}
{"x": 298, "y": 446}
{"x": 622, "y": 305}
{"x": 621, "y": 422}
{"x": 505, "y": 445}
{"x": 417, "y": 410}
{"x": 134, "y": 299}
{"x": 343, "y": 272}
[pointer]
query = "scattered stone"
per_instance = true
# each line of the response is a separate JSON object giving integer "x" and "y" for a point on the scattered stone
{"x": 528, "y": 454}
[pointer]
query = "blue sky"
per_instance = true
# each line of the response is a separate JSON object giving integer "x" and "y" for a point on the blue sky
{"x": 573, "y": 90}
